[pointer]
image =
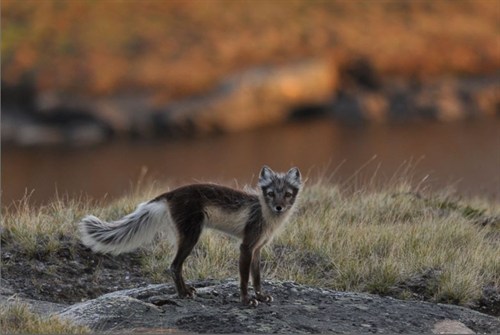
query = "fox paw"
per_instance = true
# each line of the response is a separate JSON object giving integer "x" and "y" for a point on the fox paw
{"x": 188, "y": 292}
{"x": 251, "y": 302}
{"x": 263, "y": 297}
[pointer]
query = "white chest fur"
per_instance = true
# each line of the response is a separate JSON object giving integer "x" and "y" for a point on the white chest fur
{"x": 273, "y": 223}
{"x": 229, "y": 222}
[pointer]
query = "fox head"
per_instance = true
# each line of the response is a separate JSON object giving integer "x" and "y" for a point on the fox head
{"x": 279, "y": 190}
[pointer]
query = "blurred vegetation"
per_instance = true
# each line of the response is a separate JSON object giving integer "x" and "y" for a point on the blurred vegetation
{"x": 178, "y": 48}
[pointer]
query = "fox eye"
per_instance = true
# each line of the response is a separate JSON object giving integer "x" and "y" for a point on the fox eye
{"x": 288, "y": 195}
{"x": 270, "y": 194}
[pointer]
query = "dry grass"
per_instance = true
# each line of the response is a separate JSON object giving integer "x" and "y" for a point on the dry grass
{"x": 40, "y": 229}
{"x": 363, "y": 240}
{"x": 19, "y": 319}
{"x": 37, "y": 230}
{"x": 368, "y": 241}
{"x": 372, "y": 241}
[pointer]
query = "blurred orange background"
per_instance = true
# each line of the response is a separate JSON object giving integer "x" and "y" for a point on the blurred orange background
{"x": 94, "y": 92}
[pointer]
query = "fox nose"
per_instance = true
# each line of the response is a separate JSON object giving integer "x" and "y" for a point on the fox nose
{"x": 278, "y": 208}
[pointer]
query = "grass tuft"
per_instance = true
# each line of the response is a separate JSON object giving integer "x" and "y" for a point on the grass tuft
{"x": 19, "y": 319}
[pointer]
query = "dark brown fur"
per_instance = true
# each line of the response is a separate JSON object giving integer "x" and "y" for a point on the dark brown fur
{"x": 254, "y": 218}
{"x": 187, "y": 204}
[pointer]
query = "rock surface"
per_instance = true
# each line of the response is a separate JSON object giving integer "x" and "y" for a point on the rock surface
{"x": 296, "y": 309}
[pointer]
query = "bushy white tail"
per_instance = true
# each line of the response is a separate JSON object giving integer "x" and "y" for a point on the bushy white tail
{"x": 128, "y": 233}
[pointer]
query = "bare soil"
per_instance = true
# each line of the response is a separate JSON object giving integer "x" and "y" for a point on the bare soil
{"x": 74, "y": 273}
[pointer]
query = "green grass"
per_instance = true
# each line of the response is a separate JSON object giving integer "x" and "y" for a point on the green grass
{"x": 365, "y": 240}
{"x": 19, "y": 319}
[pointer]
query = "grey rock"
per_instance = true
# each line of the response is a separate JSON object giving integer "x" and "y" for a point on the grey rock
{"x": 39, "y": 134}
{"x": 399, "y": 100}
{"x": 86, "y": 134}
{"x": 444, "y": 100}
{"x": 296, "y": 309}
{"x": 123, "y": 114}
{"x": 114, "y": 312}
{"x": 451, "y": 327}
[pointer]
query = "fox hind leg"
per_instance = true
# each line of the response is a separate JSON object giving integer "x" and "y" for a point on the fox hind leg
{"x": 186, "y": 244}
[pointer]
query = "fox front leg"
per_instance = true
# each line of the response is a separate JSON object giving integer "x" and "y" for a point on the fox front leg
{"x": 245, "y": 264}
{"x": 261, "y": 295}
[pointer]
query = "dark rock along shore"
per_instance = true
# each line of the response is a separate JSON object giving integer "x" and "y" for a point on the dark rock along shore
{"x": 247, "y": 100}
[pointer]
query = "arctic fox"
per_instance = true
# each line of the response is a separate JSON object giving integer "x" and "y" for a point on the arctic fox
{"x": 253, "y": 217}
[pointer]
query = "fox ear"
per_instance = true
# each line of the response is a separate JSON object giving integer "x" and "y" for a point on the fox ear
{"x": 293, "y": 176}
{"x": 266, "y": 175}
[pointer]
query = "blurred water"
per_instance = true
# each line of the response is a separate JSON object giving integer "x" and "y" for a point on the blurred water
{"x": 465, "y": 156}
